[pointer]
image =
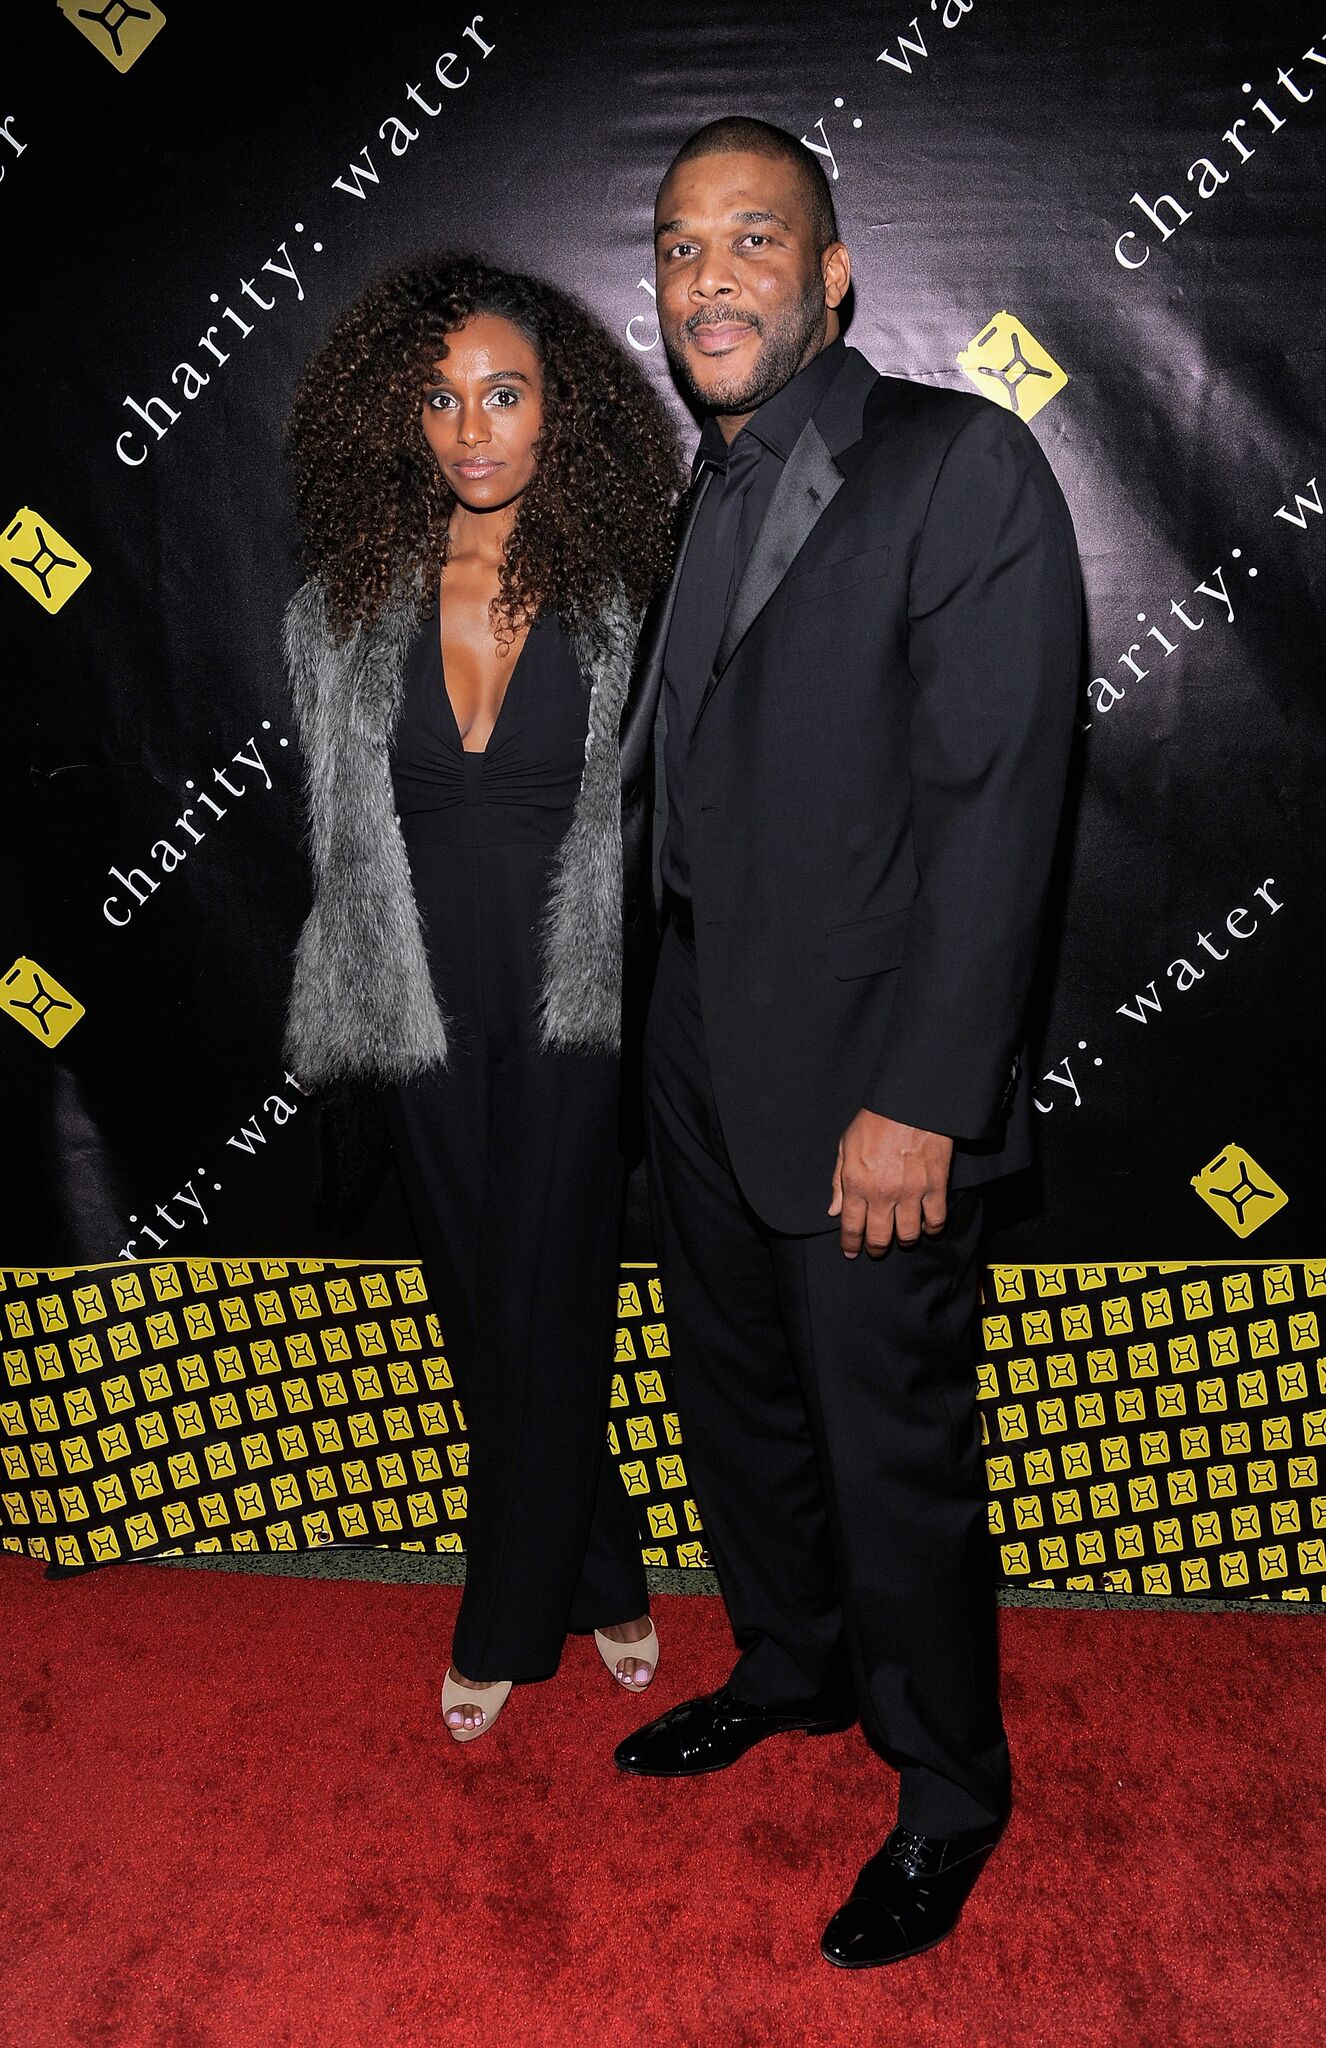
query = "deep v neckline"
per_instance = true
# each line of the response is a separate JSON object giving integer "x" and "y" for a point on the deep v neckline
{"x": 477, "y": 753}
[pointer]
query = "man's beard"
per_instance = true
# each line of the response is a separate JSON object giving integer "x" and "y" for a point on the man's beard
{"x": 783, "y": 350}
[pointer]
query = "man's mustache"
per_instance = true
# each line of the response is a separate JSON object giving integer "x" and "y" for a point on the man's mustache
{"x": 731, "y": 319}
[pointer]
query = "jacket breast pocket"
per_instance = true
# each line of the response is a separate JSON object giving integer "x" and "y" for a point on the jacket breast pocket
{"x": 872, "y": 945}
{"x": 845, "y": 572}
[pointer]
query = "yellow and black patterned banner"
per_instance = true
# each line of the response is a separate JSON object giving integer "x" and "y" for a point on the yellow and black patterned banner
{"x": 1158, "y": 1429}
{"x": 238, "y": 1405}
{"x": 1149, "y": 1429}
{"x": 644, "y": 1433}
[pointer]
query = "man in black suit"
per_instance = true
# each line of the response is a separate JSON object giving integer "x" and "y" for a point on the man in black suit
{"x": 849, "y": 738}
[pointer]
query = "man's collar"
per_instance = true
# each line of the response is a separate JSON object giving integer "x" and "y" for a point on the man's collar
{"x": 780, "y": 419}
{"x": 777, "y": 423}
{"x": 712, "y": 450}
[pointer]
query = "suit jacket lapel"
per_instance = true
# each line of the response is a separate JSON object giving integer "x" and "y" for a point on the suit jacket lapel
{"x": 812, "y": 476}
{"x": 808, "y": 484}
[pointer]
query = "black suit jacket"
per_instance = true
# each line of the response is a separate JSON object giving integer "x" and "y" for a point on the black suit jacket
{"x": 875, "y": 779}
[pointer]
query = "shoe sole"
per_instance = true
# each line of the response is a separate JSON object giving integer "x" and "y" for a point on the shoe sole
{"x": 707, "y": 1770}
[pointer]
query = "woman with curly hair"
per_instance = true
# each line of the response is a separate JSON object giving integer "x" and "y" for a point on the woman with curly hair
{"x": 486, "y": 483}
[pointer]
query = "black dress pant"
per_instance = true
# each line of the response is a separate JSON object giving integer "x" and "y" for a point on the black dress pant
{"x": 828, "y": 1412}
{"x": 511, "y": 1163}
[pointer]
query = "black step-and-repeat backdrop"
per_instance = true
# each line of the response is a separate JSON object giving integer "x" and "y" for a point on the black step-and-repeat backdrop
{"x": 1107, "y": 218}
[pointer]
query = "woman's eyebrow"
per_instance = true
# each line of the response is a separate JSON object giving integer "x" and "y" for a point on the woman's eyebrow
{"x": 489, "y": 377}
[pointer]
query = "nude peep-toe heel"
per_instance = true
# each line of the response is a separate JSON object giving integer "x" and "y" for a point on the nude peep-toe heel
{"x": 646, "y": 1650}
{"x": 490, "y": 1703}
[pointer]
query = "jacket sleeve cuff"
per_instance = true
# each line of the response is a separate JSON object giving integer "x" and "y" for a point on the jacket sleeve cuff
{"x": 966, "y": 1113}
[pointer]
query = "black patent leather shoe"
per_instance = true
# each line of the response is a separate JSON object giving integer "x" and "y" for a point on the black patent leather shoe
{"x": 907, "y": 1898}
{"x": 710, "y": 1733}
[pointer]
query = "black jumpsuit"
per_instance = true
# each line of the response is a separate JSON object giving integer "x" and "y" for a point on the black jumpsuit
{"x": 512, "y": 1164}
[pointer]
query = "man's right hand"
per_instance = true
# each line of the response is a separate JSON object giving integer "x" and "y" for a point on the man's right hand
{"x": 890, "y": 1181}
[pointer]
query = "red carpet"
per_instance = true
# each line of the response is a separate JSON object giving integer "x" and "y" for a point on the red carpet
{"x": 230, "y": 1819}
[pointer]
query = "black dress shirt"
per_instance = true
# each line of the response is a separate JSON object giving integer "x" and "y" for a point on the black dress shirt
{"x": 730, "y": 516}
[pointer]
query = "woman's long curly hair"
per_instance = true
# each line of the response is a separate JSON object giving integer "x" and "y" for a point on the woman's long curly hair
{"x": 597, "y": 513}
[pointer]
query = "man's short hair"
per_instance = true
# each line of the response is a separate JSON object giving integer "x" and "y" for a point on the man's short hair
{"x": 740, "y": 134}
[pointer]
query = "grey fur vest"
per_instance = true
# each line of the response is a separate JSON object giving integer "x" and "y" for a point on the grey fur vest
{"x": 362, "y": 1004}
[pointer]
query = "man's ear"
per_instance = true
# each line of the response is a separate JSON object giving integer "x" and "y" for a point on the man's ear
{"x": 836, "y": 270}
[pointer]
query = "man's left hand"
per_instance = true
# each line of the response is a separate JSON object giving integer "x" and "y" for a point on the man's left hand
{"x": 890, "y": 1180}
